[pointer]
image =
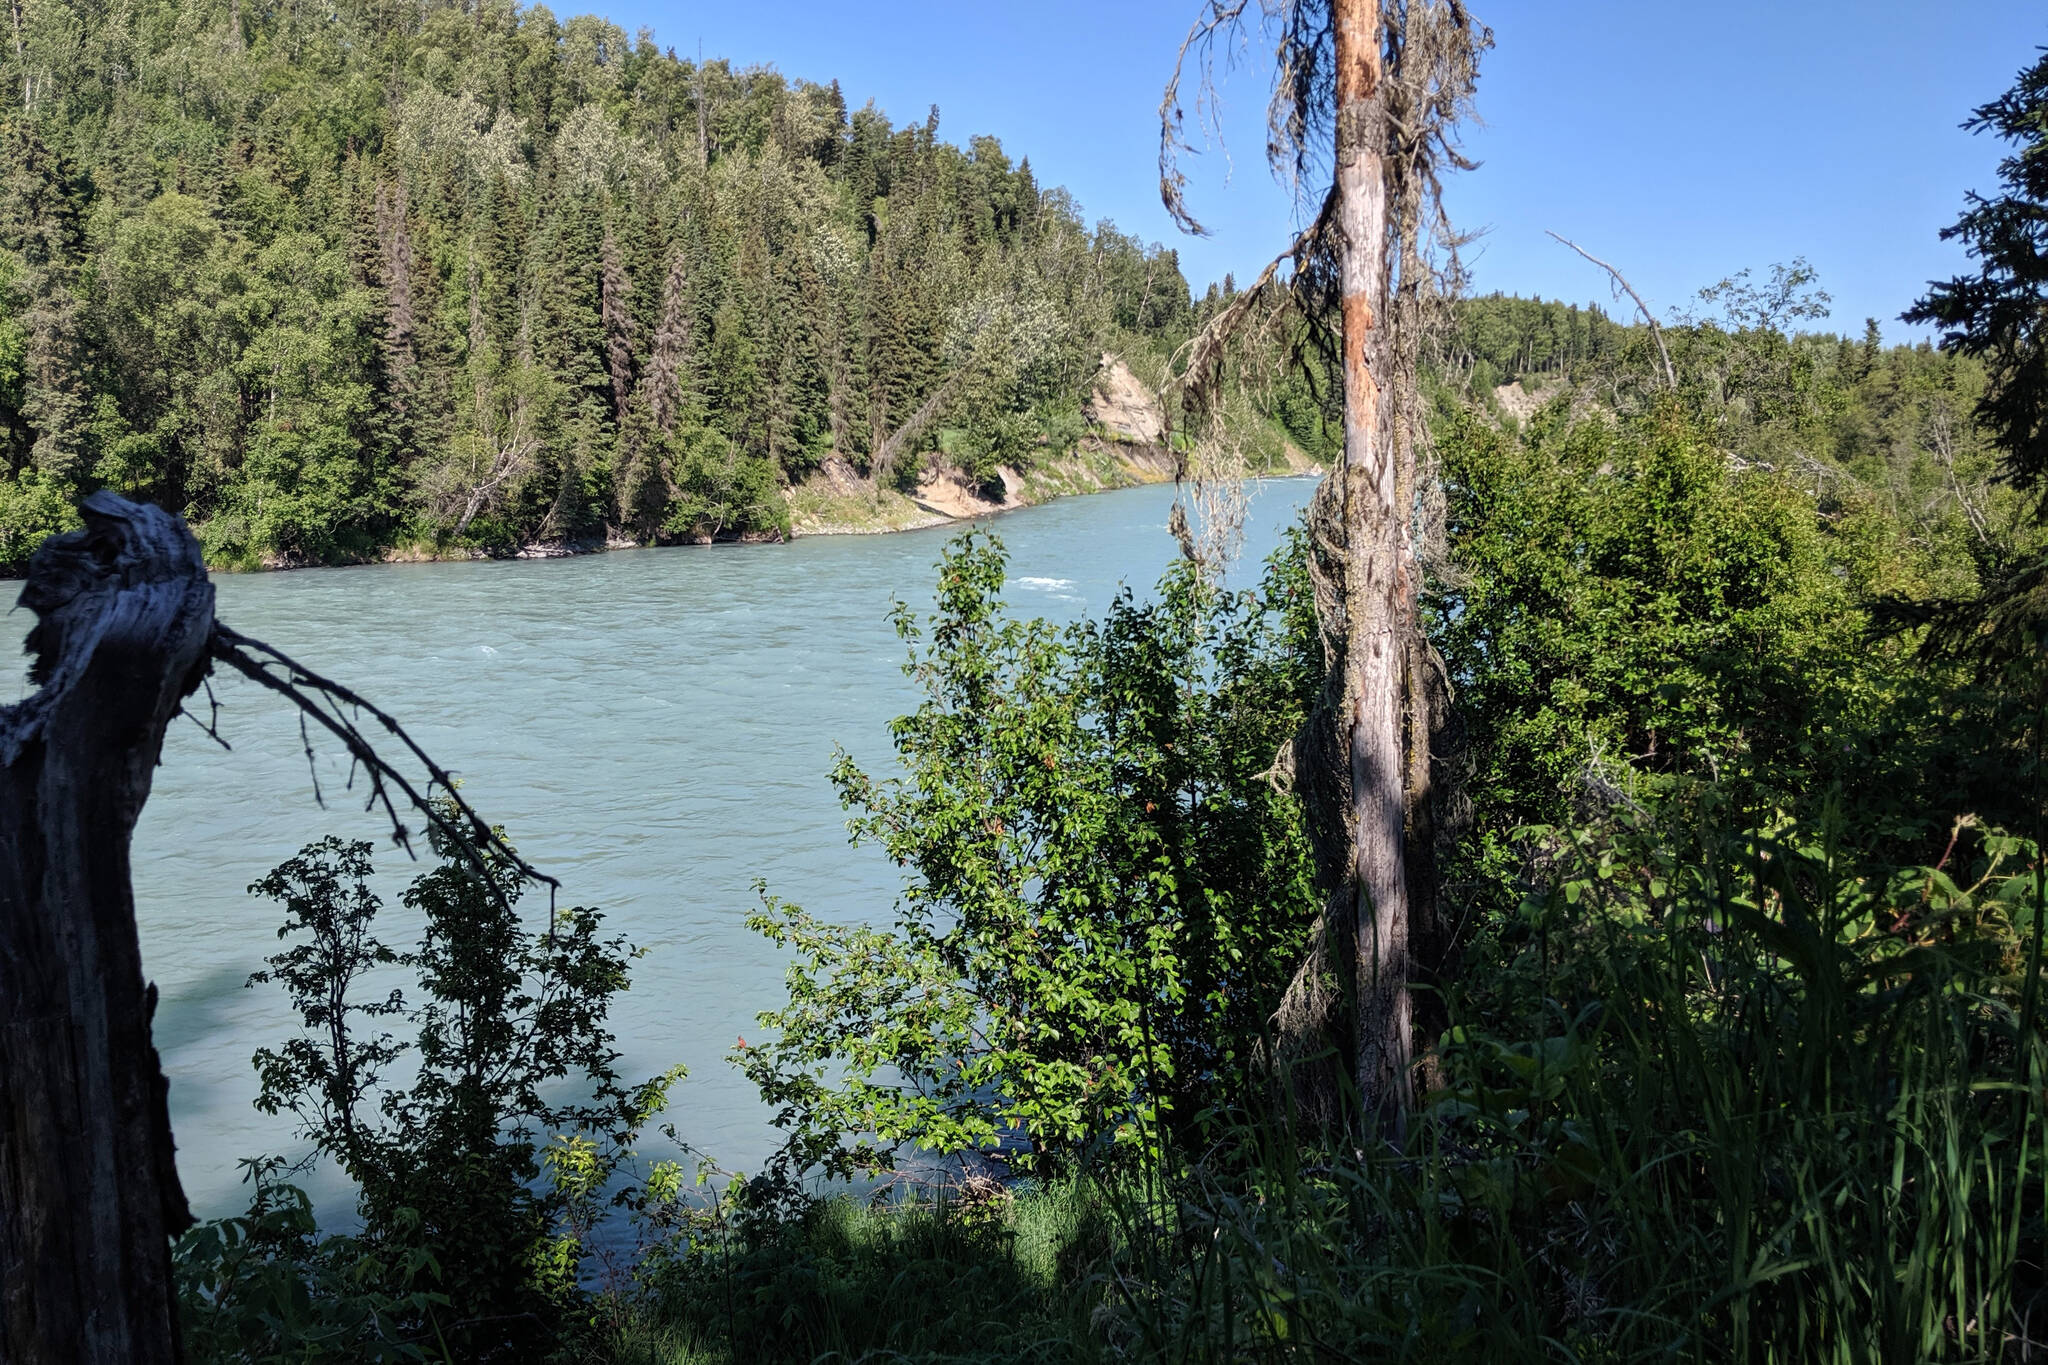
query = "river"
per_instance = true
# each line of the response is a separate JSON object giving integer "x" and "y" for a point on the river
{"x": 652, "y": 727}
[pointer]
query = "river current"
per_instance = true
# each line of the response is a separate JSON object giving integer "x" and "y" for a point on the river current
{"x": 652, "y": 727}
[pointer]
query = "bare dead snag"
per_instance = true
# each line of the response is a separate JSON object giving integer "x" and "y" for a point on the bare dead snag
{"x": 1383, "y": 83}
{"x": 89, "y": 1192}
{"x": 1376, "y": 575}
{"x": 1622, "y": 284}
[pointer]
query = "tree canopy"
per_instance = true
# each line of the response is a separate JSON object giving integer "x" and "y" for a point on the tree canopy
{"x": 1997, "y": 313}
{"x": 332, "y": 280}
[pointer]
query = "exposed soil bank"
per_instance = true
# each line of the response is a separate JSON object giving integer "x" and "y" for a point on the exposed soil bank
{"x": 1125, "y": 446}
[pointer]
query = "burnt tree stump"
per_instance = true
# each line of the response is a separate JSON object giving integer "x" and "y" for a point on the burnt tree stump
{"x": 89, "y": 1193}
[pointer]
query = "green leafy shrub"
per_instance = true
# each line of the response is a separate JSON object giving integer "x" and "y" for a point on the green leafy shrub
{"x": 1629, "y": 617}
{"x": 31, "y": 511}
{"x": 723, "y": 491}
{"x": 266, "y": 1286}
{"x": 1106, "y": 893}
{"x": 508, "y": 1045}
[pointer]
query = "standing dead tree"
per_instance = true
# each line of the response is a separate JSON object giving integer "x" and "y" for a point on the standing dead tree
{"x": 1373, "y": 90}
{"x": 89, "y": 1191}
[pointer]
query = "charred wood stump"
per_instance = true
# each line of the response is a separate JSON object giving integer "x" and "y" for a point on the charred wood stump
{"x": 89, "y": 1193}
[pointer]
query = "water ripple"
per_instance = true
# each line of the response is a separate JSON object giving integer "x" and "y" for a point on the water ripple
{"x": 653, "y": 727}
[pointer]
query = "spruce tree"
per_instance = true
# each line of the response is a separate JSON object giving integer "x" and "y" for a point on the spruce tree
{"x": 2000, "y": 313}
{"x": 39, "y": 220}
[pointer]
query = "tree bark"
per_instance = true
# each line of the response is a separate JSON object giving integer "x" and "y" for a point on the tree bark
{"x": 1375, "y": 570}
{"x": 89, "y": 1192}
{"x": 1428, "y": 935}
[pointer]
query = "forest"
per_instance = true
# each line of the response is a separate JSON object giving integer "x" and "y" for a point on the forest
{"x": 329, "y": 283}
{"x": 1581, "y": 898}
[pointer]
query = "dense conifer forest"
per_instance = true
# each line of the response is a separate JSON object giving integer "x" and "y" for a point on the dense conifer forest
{"x": 453, "y": 278}
{"x": 329, "y": 280}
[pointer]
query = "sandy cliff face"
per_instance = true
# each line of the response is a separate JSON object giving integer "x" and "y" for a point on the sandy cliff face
{"x": 1123, "y": 408}
{"x": 1126, "y": 445}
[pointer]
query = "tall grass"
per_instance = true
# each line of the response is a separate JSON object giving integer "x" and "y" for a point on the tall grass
{"x": 917, "y": 1274}
{"x": 1740, "y": 1103}
{"x": 1707, "y": 1099}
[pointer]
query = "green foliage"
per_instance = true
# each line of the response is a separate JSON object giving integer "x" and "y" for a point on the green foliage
{"x": 30, "y": 512}
{"x": 1717, "y": 1098}
{"x": 1711, "y": 1097}
{"x": 472, "y": 276}
{"x": 1106, "y": 896}
{"x": 1858, "y": 424}
{"x": 720, "y": 489}
{"x": 267, "y": 1287}
{"x": 1631, "y": 619}
{"x": 509, "y": 1046}
{"x": 1997, "y": 313}
{"x": 13, "y": 351}
{"x": 1513, "y": 336}
{"x": 976, "y": 1272}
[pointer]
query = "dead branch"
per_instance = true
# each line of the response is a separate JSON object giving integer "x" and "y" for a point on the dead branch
{"x": 334, "y": 707}
{"x": 1195, "y": 370}
{"x": 1656, "y": 332}
{"x": 1220, "y": 17}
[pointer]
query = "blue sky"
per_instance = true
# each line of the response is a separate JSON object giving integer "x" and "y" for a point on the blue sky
{"x": 1681, "y": 141}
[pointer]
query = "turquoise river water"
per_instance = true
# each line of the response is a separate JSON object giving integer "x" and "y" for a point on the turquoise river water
{"x": 652, "y": 727}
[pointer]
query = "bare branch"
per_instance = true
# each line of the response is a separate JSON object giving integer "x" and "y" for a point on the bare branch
{"x": 1656, "y": 332}
{"x": 211, "y": 725}
{"x": 1195, "y": 370}
{"x": 1219, "y": 17}
{"x": 333, "y": 707}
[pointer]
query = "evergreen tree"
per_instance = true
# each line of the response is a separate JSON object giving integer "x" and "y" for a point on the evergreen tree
{"x": 2000, "y": 314}
{"x": 39, "y": 220}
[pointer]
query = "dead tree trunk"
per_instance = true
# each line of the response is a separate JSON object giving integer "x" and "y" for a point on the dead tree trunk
{"x": 89, "y": 1193}
{"x": 891, "y": 450}
{"x": 1375, "y": 573}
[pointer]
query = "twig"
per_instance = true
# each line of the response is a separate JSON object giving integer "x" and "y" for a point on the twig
{"x": 1217, "y": 17}
{"x": 322, "y": 699}
{"x": 211, "y": 725}
{"x": 1656, "y": 332}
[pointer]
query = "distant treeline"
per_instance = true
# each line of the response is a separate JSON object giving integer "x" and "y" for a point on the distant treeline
{"x": 1500, "y": 337}
{"x": 1857, "y": 422}
{"x": 332, "y": 278}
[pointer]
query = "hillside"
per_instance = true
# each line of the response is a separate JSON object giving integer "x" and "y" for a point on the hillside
{"x": 336, "y": 280}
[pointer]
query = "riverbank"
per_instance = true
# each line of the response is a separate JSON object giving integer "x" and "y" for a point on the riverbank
{"x": 838, "y": 501}
{"x": 1125, "y": 447}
